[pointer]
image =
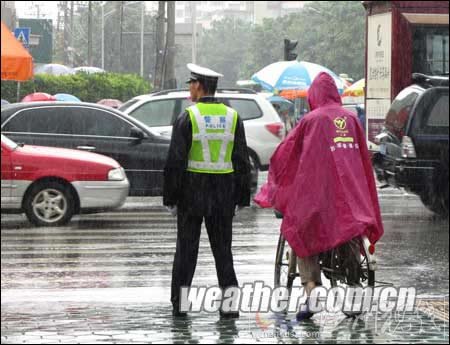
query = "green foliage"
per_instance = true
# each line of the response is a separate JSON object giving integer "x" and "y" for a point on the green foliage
{"x": 122, "y": 54}
{"x": 266, "y": 46}
{"x": 329, "y": 33}
{"x": 332, "y": 34}
{"x": 87, "y": 87}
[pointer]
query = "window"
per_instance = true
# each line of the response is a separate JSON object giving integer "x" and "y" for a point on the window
{"x": 9, "y": 143}
{"x": 437, "y": 54}
{"x": 439, "y": 116}
{"x": 431, "y": 115}
{"x": 184, "y": 103}
{"x": 246, "y": 108}
{"x": 398, "y": 114}
{"x": 128, "y": 104}
{"x": 51, "y": 120}
{"x": 157, "y": 113}
{"x": 430, "y": 50}
{"x": 96, "y": 122}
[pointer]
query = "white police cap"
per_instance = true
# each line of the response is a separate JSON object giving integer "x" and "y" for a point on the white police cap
{"x": 199, "y": 72}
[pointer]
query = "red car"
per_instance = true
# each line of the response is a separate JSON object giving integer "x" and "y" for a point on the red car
{"x": 51, "y": 185}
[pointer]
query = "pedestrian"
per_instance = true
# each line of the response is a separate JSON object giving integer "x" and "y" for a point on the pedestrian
{"x": 207, "y": 176}
{"x": 321, "y": 179}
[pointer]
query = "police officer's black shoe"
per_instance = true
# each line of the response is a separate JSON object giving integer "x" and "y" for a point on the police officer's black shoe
{"x": 177, "y": 313}
{"x": 229, "y": 315}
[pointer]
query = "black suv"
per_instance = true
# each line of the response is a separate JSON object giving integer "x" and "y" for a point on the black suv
{"x": 414, "y": 142}
{"x": 95, "y": 128}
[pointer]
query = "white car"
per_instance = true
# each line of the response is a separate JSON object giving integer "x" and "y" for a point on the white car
{"x": 263, "y": 126}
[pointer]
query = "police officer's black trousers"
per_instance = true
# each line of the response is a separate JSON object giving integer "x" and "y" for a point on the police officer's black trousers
{"x": 219, "y": 230}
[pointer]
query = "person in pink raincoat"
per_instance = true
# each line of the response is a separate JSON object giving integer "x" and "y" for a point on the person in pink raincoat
{"x": 321, "y": 180}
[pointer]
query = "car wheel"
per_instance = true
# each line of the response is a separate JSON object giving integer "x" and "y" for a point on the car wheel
{"x": 436, "y": 200}
{"x": 49, "y": 204}
{"x": 254, "y": 173}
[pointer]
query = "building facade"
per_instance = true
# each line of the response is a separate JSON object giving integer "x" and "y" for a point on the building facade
{"x": 9, "y": 16}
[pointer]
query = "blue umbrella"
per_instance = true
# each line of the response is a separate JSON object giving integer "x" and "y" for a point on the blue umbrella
{"x": 65, "y": 97}
{"x": 4, "y": 101}
{"x": 292, "y": 75}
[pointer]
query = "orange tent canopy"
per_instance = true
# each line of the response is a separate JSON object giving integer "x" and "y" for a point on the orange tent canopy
{"x": 293, "y": 94}
{"x": 17, "y": 63}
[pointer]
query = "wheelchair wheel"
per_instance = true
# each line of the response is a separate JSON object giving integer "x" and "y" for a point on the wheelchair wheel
{"x": 285, "y": 265}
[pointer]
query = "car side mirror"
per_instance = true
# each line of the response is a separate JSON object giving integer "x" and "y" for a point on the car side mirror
{"x": 381, "y": 138}
{"x": 138, "y": 133}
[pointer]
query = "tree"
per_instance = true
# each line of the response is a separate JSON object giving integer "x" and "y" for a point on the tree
{"x": 224, "y": 47}
{"x": 266, "y": 46}
{"x": 332, "y": 34}
{"x": 131, "y": 27}
{"x": 328, "y": 33}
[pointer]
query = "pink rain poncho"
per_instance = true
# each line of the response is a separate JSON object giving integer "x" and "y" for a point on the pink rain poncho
{"x": 321, "y": 177}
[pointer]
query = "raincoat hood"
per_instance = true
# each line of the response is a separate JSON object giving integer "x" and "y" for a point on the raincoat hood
{"x": 321, "y": 178}
{"x": 323, "y": 92}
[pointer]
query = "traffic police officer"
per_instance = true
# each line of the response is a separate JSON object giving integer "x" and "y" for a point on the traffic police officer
{"x": 207, "y": 176}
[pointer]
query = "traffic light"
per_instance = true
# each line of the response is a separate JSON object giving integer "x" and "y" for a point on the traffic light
{"x": 289, "y": 46}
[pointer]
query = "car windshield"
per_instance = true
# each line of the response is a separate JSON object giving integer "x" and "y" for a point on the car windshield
{"x": 128, "y": 104}
{"x": 8, "y": 142}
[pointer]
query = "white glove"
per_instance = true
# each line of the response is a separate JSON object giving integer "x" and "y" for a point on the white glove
{"x": 237, "y": 210}
{"x": 173, "y": 210}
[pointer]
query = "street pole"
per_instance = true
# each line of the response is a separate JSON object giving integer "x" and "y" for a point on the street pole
{"x": 194, "y": 31}
{"x": 159, "y": 64}
{"x": 71, "y": 32}
{"x": 66, "y": 33}
{"x": 103, "y": 35}
{"x": 169, "y": 71}
{"x": 90, "y": 34}
{"x": 120, "y": 37}
{"x": 118, "y": 8}
{"x": 142, "y": 37}
{"x": 18, "y": 91}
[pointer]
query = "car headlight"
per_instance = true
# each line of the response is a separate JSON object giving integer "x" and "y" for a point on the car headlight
{"x": 117, "y": 174}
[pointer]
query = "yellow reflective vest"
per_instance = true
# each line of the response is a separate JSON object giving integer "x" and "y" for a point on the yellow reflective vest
{"x": 213, "y": 130}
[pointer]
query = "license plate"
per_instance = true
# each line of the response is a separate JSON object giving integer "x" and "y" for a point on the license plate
{"x": 383, "y": 149}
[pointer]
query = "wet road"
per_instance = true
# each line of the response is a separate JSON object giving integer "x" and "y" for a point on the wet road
{"x": 106, "y": 278}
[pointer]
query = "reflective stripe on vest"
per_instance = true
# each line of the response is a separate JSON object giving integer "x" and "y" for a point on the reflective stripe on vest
{"x": 226, "y": 136}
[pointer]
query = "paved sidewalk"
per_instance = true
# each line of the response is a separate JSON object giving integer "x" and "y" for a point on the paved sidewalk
{"x": 150, "y": 323}
{"x": 106, "y": 279}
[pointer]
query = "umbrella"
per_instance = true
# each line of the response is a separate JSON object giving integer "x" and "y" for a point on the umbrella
{"x": 89, "y": 70}
{"x": 17, "y": 63}
{"x": 113, "y": 103}
{"x": 281, "y": 102}
{"x": 290, "y": 75}
{"x": 355, "y": 90}
{"x": 65, "y": 97}
{"x": 38, "y": 97}
{"x": 293, "y": 94}
{"x": 54, "y": 69}
{"x": 355, "y": 93}
{"x": 346, "y": 80}
{"x": 4, "y": 101}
